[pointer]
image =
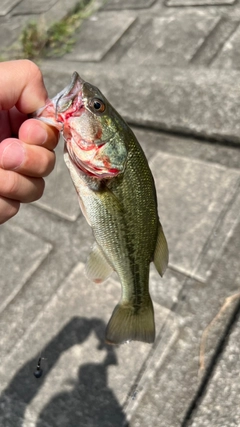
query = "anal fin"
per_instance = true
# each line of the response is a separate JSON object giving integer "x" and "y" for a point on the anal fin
{"x": 97, "y": 267}
{"x": 160, "y": 258}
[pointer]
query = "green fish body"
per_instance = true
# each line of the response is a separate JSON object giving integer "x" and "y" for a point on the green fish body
{"x": 118, "y": 198}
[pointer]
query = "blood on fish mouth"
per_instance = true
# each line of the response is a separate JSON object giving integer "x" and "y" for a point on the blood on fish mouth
{"x": 94, "y": 171}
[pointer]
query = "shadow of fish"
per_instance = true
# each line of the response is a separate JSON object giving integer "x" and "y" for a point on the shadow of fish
{"x": 117, "y": 196}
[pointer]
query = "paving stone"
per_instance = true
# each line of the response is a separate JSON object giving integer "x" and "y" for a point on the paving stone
{"x": 223, "y": 228}
{"x": 10, "y": 31}
{"x": 199, "y": 2}
{"x": 196, "y": 100}
{"x": 191, "y": 196}
{"x": 33, "y": 341}
{"x": 128, "y": 4}
{"x": 16, "y": 267}
{"x": 165, "y": 291}
{"x": 171, "y": 40}
{"x": 193, "y": 100}
{"x": 27, "y": 7}
{"x": 7, "y": 5}
{"x": 60, "y": 196}
{"x": 152, "y": 141}
{"x": 53, "y": 14}
{"x": 213, "y": 44}
{"x": 99, "y": 34}
{"x": 220, "y": 404}
{"x": 174, "y": 386}
{"x": 71, "y": 243}
{"x": 155, "y": 386}
{"x": 84, "y": 380}
{"x": 228, "y": 57}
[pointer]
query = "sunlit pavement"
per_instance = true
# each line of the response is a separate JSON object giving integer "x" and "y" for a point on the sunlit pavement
{"x": 172, "y": 70}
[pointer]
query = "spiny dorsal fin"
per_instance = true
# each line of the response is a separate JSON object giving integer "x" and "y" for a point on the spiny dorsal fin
{"x": 160, "y": 258}
{"x": 97, "y": 268}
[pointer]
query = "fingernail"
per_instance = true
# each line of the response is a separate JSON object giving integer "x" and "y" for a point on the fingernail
{"x": 12, "y": 156}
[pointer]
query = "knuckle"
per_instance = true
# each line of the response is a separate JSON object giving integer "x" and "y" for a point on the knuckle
{"x": 8, "y": 209}
{"x": 12, "y": 184}
{"x": 12, "y": 210}
{"x": 38, "y": 189}
{"x": 41, "y": 188}
{"x": 47, "y": 163}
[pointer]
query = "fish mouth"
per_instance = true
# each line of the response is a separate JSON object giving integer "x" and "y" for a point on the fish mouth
{"x": 89, "y": 169}
{"x": 86, "y": 162}
{"x": 63, "y": 100}
{"x": 53, "y": 111}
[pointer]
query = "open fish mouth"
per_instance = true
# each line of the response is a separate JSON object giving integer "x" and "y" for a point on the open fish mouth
{"x": 89, "y": 168}
{"x": 70, "y": 98}
{"x": 64, "y": 99}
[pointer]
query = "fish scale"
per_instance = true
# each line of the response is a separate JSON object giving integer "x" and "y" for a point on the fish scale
{"x": 117, "y": 196}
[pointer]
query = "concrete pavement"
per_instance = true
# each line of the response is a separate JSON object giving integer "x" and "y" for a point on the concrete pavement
{"x": 172, "y": 70}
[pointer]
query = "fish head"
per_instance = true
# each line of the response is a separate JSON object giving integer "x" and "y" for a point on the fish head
{"x": 91, "y": 128}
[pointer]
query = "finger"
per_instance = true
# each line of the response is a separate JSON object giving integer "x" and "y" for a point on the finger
{"x": 19, "y": 187}
{"x": 15, "y": 120}
{"x": 26, "y": 159}
{"x": 34, "y": 131}
{"x": 5, "y": 127}
{"x": 22, "y": 85}
{"x": 8, "y": 208}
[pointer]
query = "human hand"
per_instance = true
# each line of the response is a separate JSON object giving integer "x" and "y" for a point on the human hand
{"x": 26, "y": 145}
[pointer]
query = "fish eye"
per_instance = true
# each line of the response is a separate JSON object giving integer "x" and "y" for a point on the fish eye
{"x": 97, "y": 105}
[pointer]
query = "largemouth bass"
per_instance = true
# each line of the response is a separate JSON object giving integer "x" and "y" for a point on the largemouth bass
{"x": 117, "y": 196}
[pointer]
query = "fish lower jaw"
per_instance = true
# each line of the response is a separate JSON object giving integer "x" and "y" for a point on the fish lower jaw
{"x": 90, "y": 170}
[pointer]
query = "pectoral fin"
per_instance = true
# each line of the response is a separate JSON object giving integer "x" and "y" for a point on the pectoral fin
{"x": 161, "y": 252}
{"x": 97, "y": 268}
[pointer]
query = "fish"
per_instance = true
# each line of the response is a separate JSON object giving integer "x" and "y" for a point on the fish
{"x": 117, "y": 196}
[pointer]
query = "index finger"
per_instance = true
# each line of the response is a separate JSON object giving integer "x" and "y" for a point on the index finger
{"x": 22, "y": 85}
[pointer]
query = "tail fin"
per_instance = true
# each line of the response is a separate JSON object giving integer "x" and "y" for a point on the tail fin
{"x": 127, "y": 323}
